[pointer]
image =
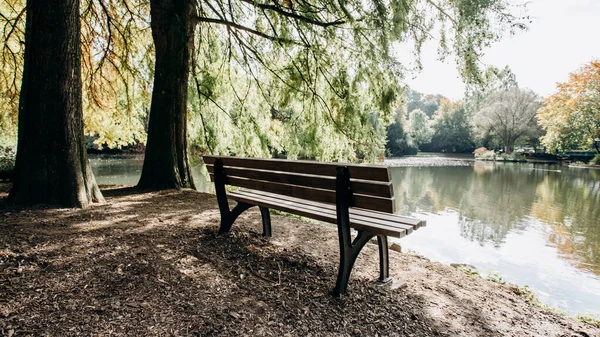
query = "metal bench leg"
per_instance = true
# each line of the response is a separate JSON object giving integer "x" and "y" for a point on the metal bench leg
{"x": 266, "y": 221}
{"x": 384, "y": 261}
{"x": 348, "y": 254}
{"x": 228, "y": 217}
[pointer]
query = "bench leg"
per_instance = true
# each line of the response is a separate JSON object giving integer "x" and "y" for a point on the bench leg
{"x": 384, "y": 261}
{"x": 348, "y": 254}
{"x": 266, "y": 221}
{"x": 229, "y": 217}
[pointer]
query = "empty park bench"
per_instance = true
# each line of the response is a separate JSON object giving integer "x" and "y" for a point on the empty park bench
{"x": 351, "y": 196}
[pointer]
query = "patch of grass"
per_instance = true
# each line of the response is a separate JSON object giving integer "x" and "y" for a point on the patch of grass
{"x": 526, "y": 293}
{"x": 469, "y": 271}
{"x": 593, "y": 321}
{"x": 495, "y": 277}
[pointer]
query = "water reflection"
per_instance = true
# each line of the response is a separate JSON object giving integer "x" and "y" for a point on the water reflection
{"x": 116, "y": 170}
{"x": 535, "y": 224}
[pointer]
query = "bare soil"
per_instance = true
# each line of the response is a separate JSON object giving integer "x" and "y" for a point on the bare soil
{"x": 153, "y": 264}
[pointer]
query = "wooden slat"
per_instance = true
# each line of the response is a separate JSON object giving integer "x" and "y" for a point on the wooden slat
{"x": 307, "y": 193}
{"x": 416, "y": 223}
{"x": 315, "y": 213}
{"x": 322, "y": 208}
{"x": 377, "y": 189}
{"x": 363, "y": 172}
{"x": 313, "y": 194}
{"x": 312, "y": 181}
{"x": 387, "y": 205}
{"x": 384, "y": 190}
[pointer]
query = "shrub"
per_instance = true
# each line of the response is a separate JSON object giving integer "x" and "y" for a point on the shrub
{"x": 7, "y": 161}
{"x": 489, "y": 155}
{"x": 480, "y": 150}
{"x": 511, "y": 157}
{"x": 595, "y": 160}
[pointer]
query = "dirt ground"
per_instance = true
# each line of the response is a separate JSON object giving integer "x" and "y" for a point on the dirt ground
{"x": 153, "y": 264}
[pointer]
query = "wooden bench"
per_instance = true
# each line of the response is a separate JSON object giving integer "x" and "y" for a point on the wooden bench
{"x": 351, "y": 196}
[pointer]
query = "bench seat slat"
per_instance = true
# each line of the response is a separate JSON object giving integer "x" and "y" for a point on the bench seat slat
{"x": 396, "y": 223}
{"x": 415, "y": 223}
{"x": 364, "y": 172}
{"x": 379, "y": 189}
{"x": 318, "y": 214}
{"x": 316, "y": 210}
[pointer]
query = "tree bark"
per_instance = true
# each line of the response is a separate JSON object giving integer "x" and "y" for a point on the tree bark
{"x": 166, "y": 162}
{"x": 52, "y": 165}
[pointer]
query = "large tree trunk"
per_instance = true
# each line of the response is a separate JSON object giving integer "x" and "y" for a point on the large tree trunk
{"x": 509, "y": 146}
{"x": 52, "y": 165}
{"x": 166, "y": 162}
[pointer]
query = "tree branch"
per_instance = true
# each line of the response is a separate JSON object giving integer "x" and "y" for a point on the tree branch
{"x": 246, "y": 29}
{"x": 295, "y": 16}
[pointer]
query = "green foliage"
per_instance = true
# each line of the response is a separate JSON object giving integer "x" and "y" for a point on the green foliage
{"x": 418, "y": 127}
{"x": 587, "y": 319}
{"x": 494, "y": 276}
{"x": 469, "y": 271}
{"x": 314, "y": 79}
{"x": 429, "y": 104}
{"x": 525, "y": 292}
{"x": 595, "y": 160}
{"x": 12, "y": 26}
{"x": 116, "y": 61}
{"x": 7, "y": 160}
{"x": 399, "y": 143}
{"x": 452, "y": 130}
{"x": 492, "y": 80}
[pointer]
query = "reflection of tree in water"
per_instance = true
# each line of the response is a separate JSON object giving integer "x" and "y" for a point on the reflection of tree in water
{"x": 570, "y": 204}
{"x": 493, "y": 199}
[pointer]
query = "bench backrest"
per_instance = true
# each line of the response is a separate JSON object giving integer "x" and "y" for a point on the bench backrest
{"x": 370, "y": 185}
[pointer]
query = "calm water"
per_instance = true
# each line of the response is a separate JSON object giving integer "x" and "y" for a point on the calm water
{"x": 534, "y": 225}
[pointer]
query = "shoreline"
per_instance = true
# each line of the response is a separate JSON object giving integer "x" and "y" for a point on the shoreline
{"x": 155, "y": 260}
{"x": 585, "y": 166}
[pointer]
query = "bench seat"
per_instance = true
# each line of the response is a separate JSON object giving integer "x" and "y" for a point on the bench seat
{"x": 360, "y": 219}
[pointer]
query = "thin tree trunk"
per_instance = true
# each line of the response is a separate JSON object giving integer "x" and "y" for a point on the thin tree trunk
{"x": 166, "y": 162}
{"x": 52, "y": 165}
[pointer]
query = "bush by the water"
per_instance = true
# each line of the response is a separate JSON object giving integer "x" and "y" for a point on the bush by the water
{"x": 595, "y": 160}
{"x": 7, "y": 161}
{"x": 483, "y": 154}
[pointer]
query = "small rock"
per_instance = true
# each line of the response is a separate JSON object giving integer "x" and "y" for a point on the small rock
{"x": 398, "y": 284}
{"x": 396, "y": 247}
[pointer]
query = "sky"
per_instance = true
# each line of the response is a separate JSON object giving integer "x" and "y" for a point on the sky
{"x": 562, "y": 38}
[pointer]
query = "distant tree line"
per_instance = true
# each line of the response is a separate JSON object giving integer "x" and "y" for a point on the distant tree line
{"x": 499, "y": 115}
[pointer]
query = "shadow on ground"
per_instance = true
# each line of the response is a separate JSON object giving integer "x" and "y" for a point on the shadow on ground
{"x": 153, "y": 264}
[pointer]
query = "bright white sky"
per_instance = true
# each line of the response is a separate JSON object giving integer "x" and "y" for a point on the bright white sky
{"x": 562, "y": 37}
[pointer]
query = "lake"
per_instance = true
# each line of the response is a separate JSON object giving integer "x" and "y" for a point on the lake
{"x": 535, "y": 225}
